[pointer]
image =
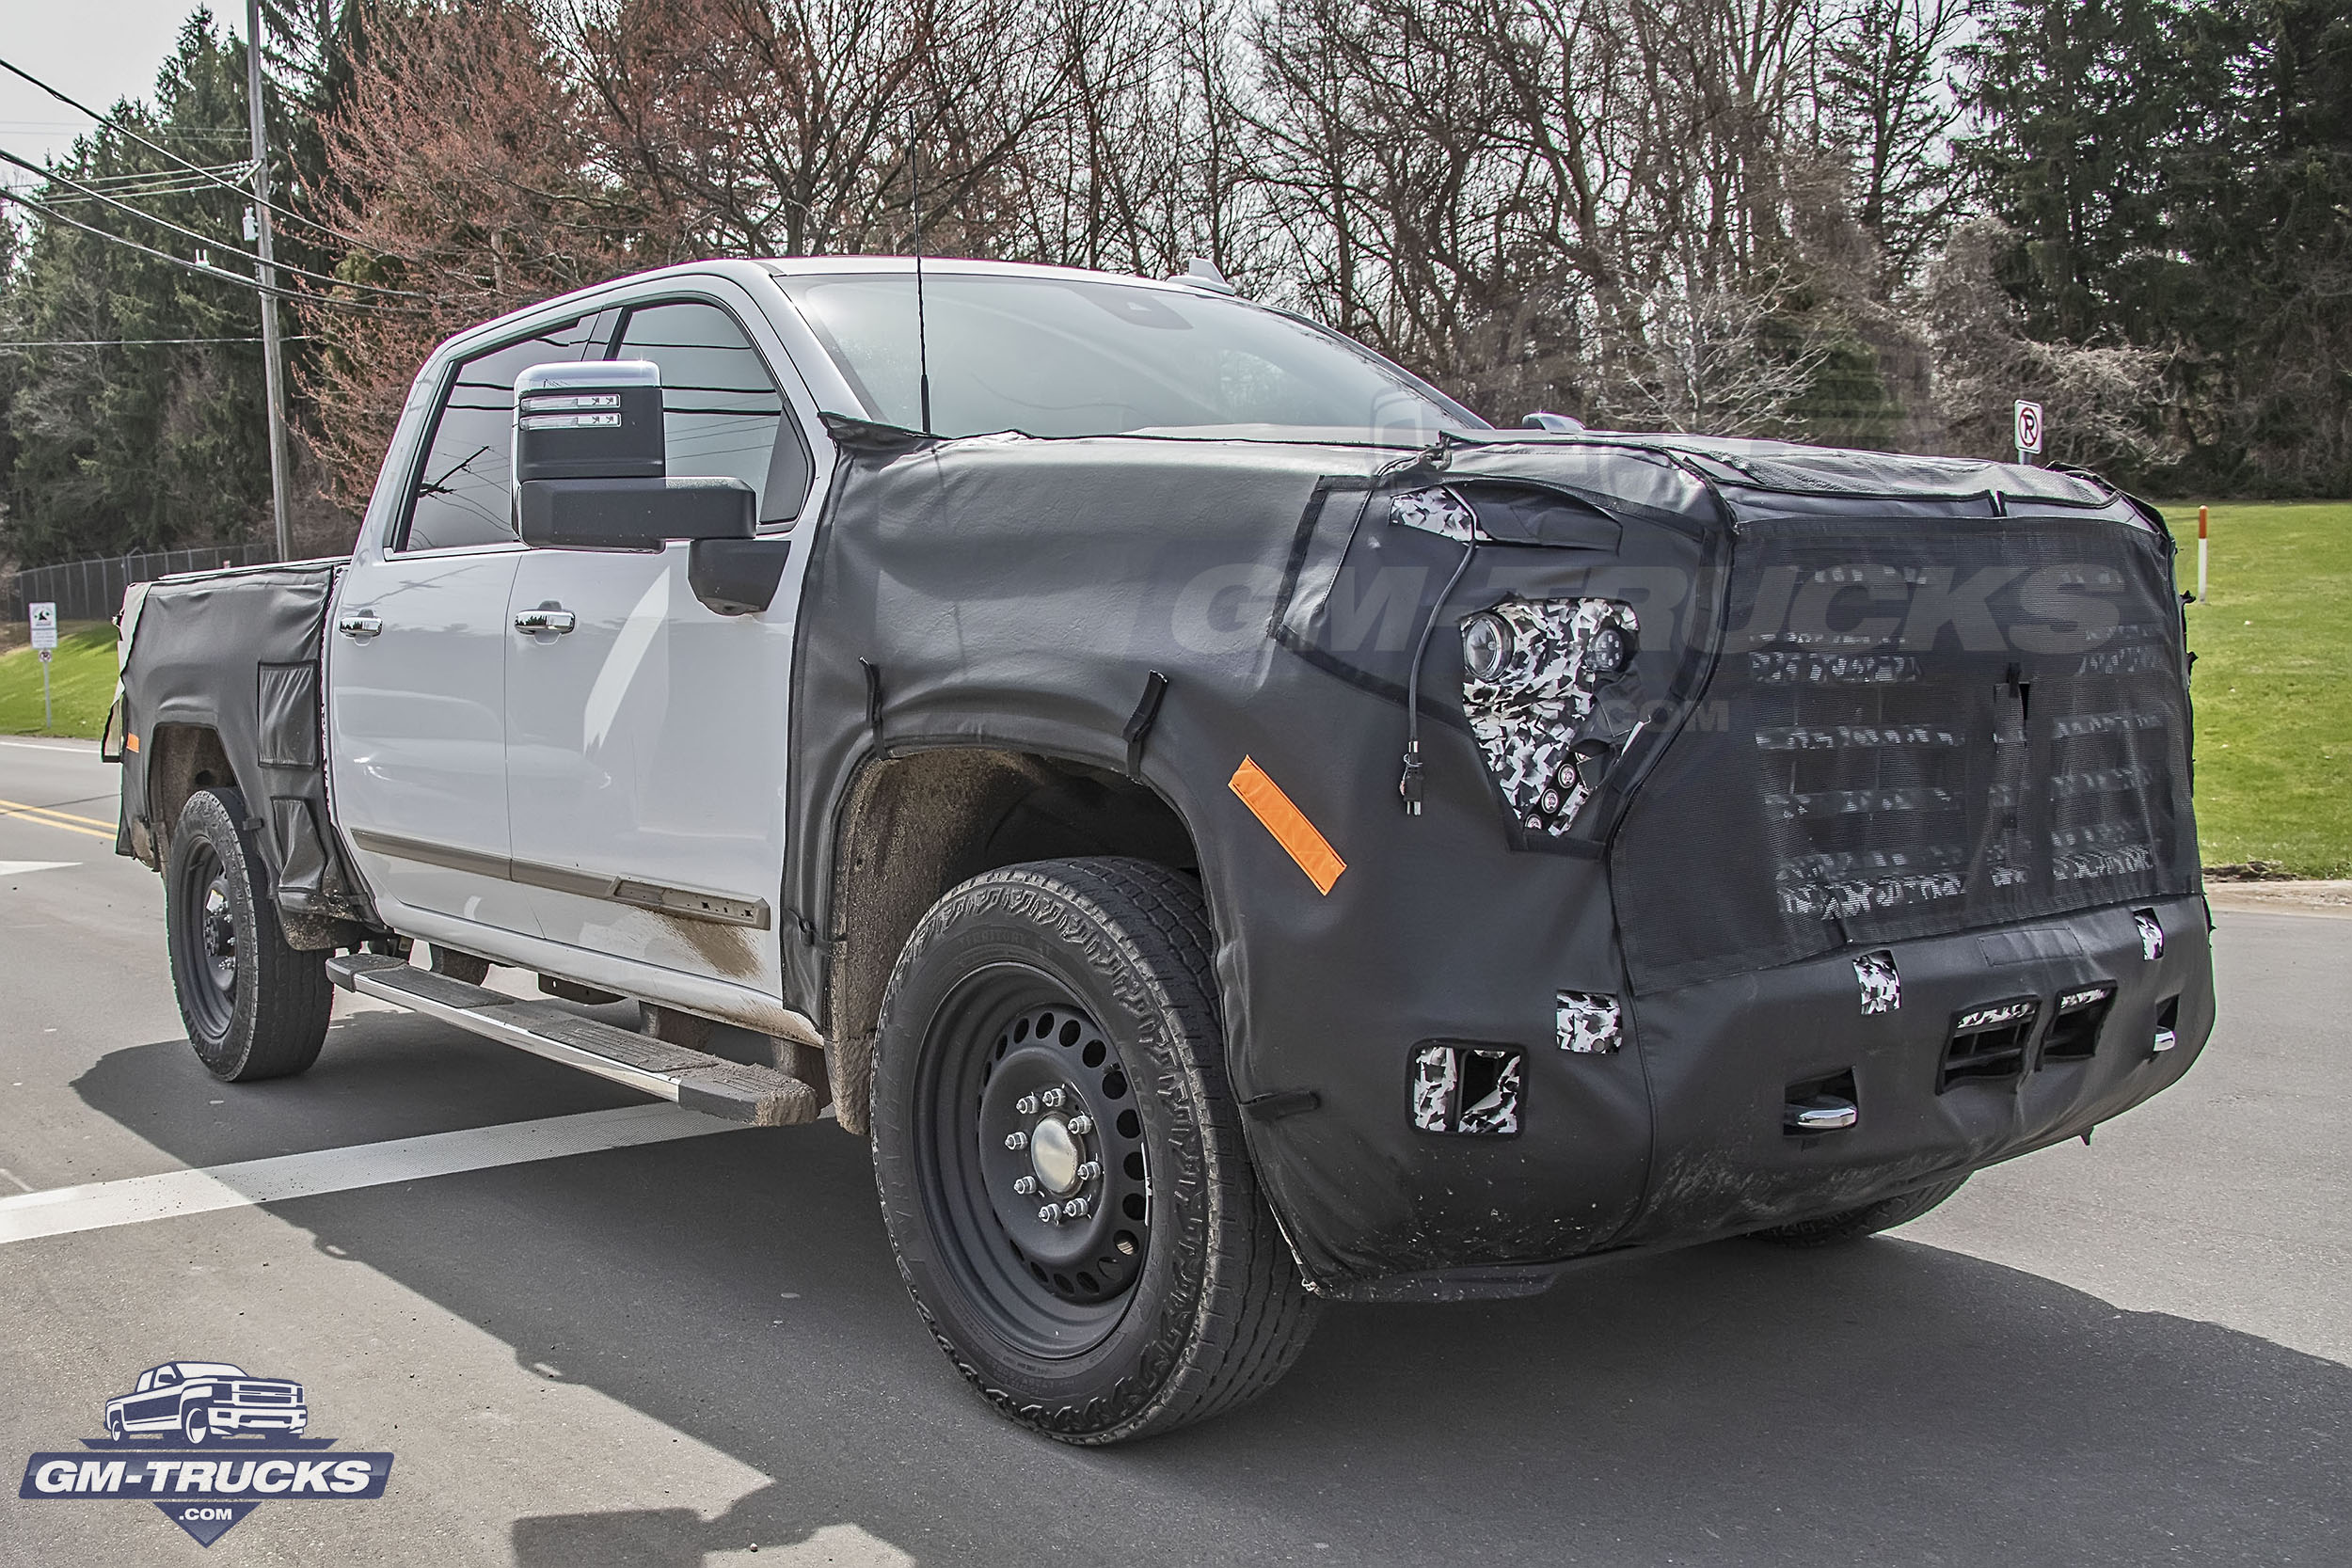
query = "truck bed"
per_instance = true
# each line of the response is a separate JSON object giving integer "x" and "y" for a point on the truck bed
{"x": 221, "y": 676}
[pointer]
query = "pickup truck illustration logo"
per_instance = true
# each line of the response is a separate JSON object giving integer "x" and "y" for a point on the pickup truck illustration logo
{"x": 201, "y": 1399}
{"x": 207, "y": 1443}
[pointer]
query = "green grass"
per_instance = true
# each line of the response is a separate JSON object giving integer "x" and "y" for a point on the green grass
{"x": 2273, "y": 684}
{"x": 81, "y": 684}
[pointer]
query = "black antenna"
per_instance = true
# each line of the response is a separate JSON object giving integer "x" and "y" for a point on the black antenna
{"x": 922, "y": 337}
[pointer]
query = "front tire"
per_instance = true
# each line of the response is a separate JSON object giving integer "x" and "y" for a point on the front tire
{"x": 1050, "y": 1038}
{"x": 1852, "y": 1225}
{"x": 254, "y": 1007}
{"x": 195, "y": 1424}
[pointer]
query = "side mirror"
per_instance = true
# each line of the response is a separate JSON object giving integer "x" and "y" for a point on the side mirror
{"x": 590, "y": 474}
{"x": 598, "y": 418}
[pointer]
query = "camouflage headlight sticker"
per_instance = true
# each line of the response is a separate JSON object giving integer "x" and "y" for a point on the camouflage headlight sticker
{"x": 2151, "y": 934}
{"x": 1556, "y": 656}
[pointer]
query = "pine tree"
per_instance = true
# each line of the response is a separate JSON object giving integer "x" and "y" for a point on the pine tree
{"x": 139, "y": 441}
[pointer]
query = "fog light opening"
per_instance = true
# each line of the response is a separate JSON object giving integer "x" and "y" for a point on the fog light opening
{"x": 1818, "y": 1105}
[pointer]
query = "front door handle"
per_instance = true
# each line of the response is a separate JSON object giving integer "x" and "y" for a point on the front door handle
{"x": 547, "y": 617}
{"x": 359, "y": 624}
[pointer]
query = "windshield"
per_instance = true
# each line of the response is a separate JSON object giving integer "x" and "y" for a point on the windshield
{"x": 209, "y": 1369}
{"x": 1079, "y": 357}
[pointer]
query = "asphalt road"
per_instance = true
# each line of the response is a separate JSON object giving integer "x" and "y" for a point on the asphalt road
{"x": 2135, "y": 1353}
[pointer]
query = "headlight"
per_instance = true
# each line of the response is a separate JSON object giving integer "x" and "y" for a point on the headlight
{"x": 1485, "y": 646}
{"x": 1530, "y": 674}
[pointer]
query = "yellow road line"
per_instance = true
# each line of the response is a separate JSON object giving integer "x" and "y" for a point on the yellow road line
{"x": 64, "y": 821}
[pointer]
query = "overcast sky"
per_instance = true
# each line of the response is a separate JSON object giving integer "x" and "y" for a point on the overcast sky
{"x": 97, "y": 51}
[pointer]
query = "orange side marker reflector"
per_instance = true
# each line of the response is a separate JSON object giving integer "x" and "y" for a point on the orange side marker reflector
{"x": 1288, "y": 824}
{"x": 131, "y": 742}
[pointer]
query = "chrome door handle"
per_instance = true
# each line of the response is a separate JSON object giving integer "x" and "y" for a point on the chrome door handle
{"x": 359, "y": 624}
{"x": 546, "y": 618}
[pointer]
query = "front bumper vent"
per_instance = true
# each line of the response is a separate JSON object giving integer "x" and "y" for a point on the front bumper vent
{"x": 2075, "y": 1022}
{"x": 1988, "y": 1042}
{"x": 1465, "y": 1089}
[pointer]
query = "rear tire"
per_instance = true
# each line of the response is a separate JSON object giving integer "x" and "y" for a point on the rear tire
{"x": 1071, "y": 1003}
{"x": 1852, "y": 1225}
{"x": 254, "y": 1007}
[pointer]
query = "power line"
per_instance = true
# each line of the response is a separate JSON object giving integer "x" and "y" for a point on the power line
{"x": 153, "y": 147}
{"x": 357, "y": 306}
{"x": 182, "y": 229}
{"x": 168, "y": 182}
{"x": 138, "y": 342}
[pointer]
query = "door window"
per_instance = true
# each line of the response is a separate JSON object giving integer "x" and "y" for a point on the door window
{"x": 462, "y": 487}
{"x": 721, "y": 412}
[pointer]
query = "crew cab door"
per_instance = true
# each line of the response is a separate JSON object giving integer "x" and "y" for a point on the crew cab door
{"x": 645, "y": 744}
{"x": 416, "y": 661}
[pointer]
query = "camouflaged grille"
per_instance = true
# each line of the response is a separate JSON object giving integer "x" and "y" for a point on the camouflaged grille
{"x": 1915, "y": 729}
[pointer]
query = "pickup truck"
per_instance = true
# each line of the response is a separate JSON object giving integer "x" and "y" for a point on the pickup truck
{"x": 207, "y": 1399}
{"x": 1231, "y": 827}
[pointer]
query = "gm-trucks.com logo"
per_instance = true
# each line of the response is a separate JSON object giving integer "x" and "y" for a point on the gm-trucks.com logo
{"x": 207, "y": 1443}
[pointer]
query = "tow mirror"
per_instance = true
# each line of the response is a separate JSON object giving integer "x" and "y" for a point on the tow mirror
{"x": 590, "y": 474}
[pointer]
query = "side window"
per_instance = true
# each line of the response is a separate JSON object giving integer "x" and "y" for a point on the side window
{"x": 721, "y": 410}
{"x": 461, "y": 495}
{"x": 167, "y": 1376}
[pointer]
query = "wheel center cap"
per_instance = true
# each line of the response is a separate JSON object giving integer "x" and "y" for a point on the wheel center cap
{"x": 1054, "y": 1155}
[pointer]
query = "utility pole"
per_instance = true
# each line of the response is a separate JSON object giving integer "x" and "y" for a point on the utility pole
{"x": 272, "y": 368}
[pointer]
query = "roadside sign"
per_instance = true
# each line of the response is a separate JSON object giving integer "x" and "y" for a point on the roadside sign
{"x": 2029, "y": 428}
{"x": 45, "y": 637}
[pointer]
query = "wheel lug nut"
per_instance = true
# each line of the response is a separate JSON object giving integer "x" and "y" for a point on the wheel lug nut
{"x": 1026, "y": 1104}
{"x": 1089, "y": 1170}
{"x": 1016, "y": 1141}
{"x": 1082, "y": 1124}
{"x": 1050, "y": 1098}
{"x": 1025, "y": 1185}
{"x": 1074, "y": 1209}
{"x": 1050, "y": 1214}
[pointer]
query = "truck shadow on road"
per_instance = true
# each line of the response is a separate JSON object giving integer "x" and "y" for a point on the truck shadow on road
{"x": 1886, "y": 1403}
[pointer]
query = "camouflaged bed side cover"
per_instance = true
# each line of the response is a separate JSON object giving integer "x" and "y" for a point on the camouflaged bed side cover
{"x": 237, "y": 653}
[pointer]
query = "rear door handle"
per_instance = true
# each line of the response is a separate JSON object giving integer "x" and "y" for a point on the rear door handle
{"x": 359, "y": 624}
{"x": 546, "y": 618}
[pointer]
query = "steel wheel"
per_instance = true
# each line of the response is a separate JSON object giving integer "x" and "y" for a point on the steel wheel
{"x": 209, "y": 942}
{"x": 254, "y": 1007}
{"x": 1060, "y": 1161}
{"x": 1035, "y": 1159}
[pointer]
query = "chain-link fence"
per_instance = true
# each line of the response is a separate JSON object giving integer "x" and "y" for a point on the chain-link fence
{"x": 92, "y": 589}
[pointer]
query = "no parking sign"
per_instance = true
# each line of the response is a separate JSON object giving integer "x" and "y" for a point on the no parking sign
{"x": 2029, "y": 429}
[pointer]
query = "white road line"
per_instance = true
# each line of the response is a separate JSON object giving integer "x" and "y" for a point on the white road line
{"x": 88, "y": 749}
{"x": 134, "y": 1200}
{"x": 11, "y": 868}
